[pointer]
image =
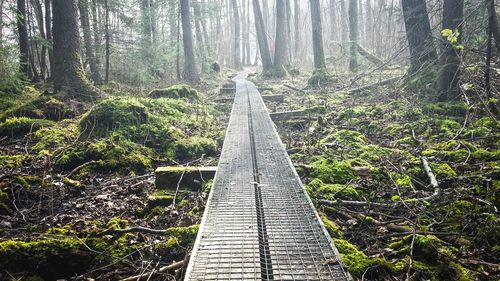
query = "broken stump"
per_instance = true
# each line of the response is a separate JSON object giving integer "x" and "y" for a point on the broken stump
{"x": 192, "y": 177}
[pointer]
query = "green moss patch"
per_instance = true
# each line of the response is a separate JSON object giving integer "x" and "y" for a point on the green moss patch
{"x": 332, "y": 171}
{"x": 176, "y": 92}
{"x": 20, "y": 126}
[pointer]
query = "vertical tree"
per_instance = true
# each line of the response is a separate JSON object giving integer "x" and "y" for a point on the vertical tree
{"x": 343, "y": 20}
{"x": 190, "y": 71}
{"x": 495, "y": 30}
{"x": 280, "y": 54}
{"x": 448, "y": 80}
{"x": 37, "y": 7}
{"x": 267, "y": 62}
{"x": 353, "y": 34}
{"x": 83, "y": 6}
{"x": 69, "y": 76}
{"x": 418, "y": 33}
{"x": 48, "y": 33}
{"x": 237, "y": 36}
{"x": 22, "y": 30}
{"x": 297, "y": 38}
{"x": 107, "y": 39}
{"x": 317, "y": 35}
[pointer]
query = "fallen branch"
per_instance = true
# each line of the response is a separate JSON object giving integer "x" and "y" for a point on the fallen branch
{"x": 138, "y": 229}
{"x": 293, "y": 88}
{"x": 357, "y": 203}
{"x": 174, "y": 266}
{"x": 374, "y": 85}
{"x": 75, "y": 170}
{"x": 369, "y": 56}
{"x": 432, "y": 178}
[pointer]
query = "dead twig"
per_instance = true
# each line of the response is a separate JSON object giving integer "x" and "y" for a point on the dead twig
{"x": 171, "y": 267}
{"x": 138, "y": 229}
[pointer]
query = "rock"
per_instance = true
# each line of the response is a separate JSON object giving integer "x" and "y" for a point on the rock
{"x": 362, "y": 171}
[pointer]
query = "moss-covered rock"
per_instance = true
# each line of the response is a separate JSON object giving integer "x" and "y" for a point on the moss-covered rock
{"x": 160, "y": 198}
{"x": 320, "y": 77}
{"x": 20, "y": 126}
{"x": 458, "y": 109}
{"x": 176, "y": 92}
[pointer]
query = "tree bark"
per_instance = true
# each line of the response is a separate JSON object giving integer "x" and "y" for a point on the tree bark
{"x": 97, "y": 34}
{"x": 418, "y": 34}
{"x": 448, "y": 80}
{"x": 237, "y": 36}
{"x": 83, "y": 6}
{"x": 69, "y": 76}
{"x": 107, "y": 38}
{"x": 280, "y": 55}
{"x": 22, "y": 30}
{"x": 317, "y": 35}
{"x": 267, "y": 62}
{"x": 48, "y": 33}
{"x": 494, "y": 28}
{"x": 353, "y": 35}
{"x": 190, "y": 71}
{"x": 343, "y": 20}
{"x": 297, "y": 38}
{"x": 40, "y": 22}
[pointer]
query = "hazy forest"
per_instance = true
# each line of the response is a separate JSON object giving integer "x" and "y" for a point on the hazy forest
{"x": 388, "y": 110}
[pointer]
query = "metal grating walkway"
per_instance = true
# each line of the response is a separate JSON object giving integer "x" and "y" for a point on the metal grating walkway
{"x": 259, "y": 223}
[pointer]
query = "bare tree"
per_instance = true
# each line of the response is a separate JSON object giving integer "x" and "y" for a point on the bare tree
{"x": 23, "y": 38}
{"x": 267, "y": 62}
{"x": 83, "y": 6}
{"x": 353, "y": 34}
{"x": 280, "y": 51}
{"x": 69, "y": 76}
{"x": 449, "y": 75}
{"x": 237, "y": 36}
{"x": 418, "y": 33}
{"x": 190, "y": 71}
{"x": 317, "y": 35}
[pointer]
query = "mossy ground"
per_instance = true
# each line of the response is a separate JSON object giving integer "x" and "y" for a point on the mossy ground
{"x": 92, "y": 170}
{"x": 367, "y": 147}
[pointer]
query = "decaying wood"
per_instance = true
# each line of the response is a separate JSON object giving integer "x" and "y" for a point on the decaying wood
{"x": 293, "y": 88}
{"x": 374, "y": 85}
{"x": 136, "y": 229}
{"x": 432, "y": 178}
{"x": 298, "y": 114}
{"x": 171, "y": 267}
{"x": 369, "y": 56}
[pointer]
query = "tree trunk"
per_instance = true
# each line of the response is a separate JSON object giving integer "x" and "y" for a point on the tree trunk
{"x": 107, "y": 39}
{"x": 353, "y": 35}
{"x": 317, "y": 35}
{"x": 83, "y": 6}
{"x": 297, "y": 38}
{"x": 267, "y": 62}
{"x": 201, "y": 50}
{"x": 343, "y": 19}
{"x": 418, "y": 33}
{"x": 494, "y": 28}
{"x": 40, "y": 22}
{"x": 23, "y": 38}
{"x": 237, "y": 36}
{"x": 48, "y": 33}
{"x": 1, "y": 22}
{"x": 280, "y": 55}
{"x": 448, "y": 80}
{"x": 69, "y": 76}
{"x": 97, "y": 35}
{"x": 190, "y": 71}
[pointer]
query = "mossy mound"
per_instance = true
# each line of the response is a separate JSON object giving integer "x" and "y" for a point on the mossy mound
{"x": 357, "y": 261}
{"x": 332, "y": 171}
{"x": 20, "y": 126}
{"x": 332, "y": 191}
{"x": 12, "y": 95}
{"x": 108, "y": 156}
{"x": 320, "y": 77}
{"x": 196, "y": 147}
{"x": 41, "y": 107}
{"x": 176, "y": 92}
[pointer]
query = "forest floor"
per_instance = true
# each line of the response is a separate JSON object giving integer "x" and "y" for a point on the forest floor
{"x": 74, "y": 177}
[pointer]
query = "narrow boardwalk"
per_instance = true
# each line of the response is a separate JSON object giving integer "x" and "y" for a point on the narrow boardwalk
{"x": 259, "y": 223}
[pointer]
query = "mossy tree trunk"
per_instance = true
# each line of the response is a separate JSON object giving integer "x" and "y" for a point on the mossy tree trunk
{"x": 190, "y": 71}
{"x": 237, "y": 36}
{"x": 69, "y": 76}
{"x": 267, "y": 62}
{"x": 418, "y": 33}
{"x": 449, "y": 75}
{"x": 353, "y": 35}
{"x": 83, "y": 6}
{"x": 280, "y": 54}
{"x": 23, "y": 38}
{"x": 317, "y": 35}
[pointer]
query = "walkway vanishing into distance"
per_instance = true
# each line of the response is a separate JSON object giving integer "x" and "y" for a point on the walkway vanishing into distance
{"x": 259, "y": 223}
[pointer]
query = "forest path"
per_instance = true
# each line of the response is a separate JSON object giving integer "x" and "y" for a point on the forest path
{"x": 259, "y": 223}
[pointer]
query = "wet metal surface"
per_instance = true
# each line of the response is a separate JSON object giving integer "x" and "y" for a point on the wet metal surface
{"x": 259, "y": 223}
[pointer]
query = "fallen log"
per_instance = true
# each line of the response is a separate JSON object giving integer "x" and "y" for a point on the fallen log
{"x": 147, "y": 275}
{"x": 293, "y": 88}
{"x": 369, "y": 56}
{"x": 285, "y": 115}
{"x": 273, "y": 98}
{"x": 374, "y": 85}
